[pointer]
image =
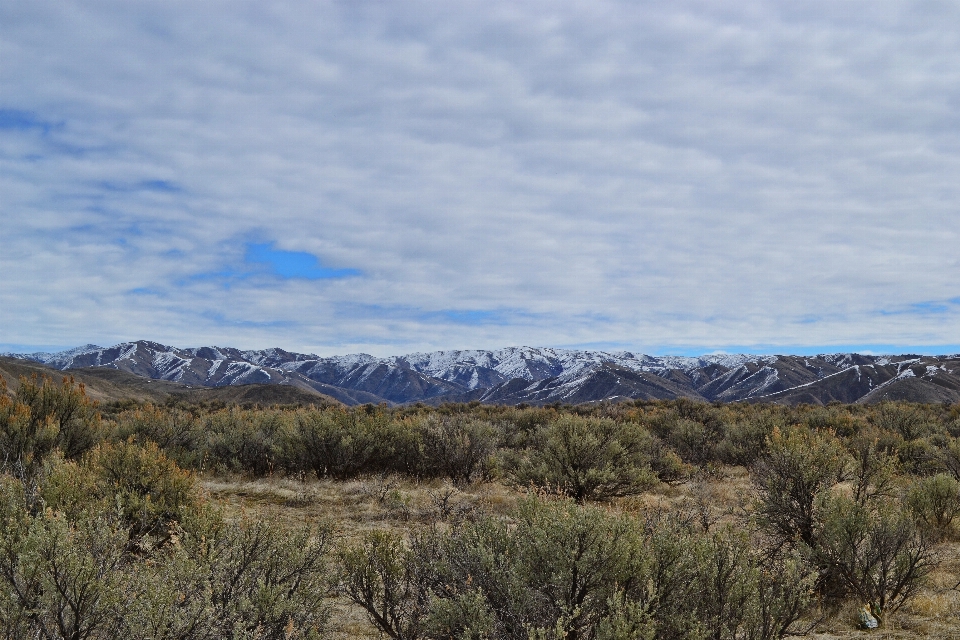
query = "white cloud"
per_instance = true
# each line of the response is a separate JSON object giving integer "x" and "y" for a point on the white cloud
{"x": 690, "y": 174}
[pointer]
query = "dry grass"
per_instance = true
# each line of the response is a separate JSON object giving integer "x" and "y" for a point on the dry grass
{"x": 400, "y": 504}
{"x": 354, "y": 506}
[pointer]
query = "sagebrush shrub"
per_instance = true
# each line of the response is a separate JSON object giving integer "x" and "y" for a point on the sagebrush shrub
{"x": 873, "y": 552}
{"x": 588, "y": 459}
{"x": 798, "y": 467}
{"x": 935, "y": 501}
{"x": 43, "y": 416}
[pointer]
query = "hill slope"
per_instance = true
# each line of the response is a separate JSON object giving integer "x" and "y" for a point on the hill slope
{"x": 107, "y": 384}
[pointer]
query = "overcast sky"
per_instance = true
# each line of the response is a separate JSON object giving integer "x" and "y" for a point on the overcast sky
{"x": 334, "y": 177}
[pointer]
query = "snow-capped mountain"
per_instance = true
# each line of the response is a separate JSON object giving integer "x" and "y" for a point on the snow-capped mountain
{"x": 535, "y": 375}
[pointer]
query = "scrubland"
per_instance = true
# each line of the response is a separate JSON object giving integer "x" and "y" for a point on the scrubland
{"x": 632, "y": 520}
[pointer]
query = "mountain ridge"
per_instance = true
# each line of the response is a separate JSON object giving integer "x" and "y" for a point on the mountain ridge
{"x": 534, "y": 375}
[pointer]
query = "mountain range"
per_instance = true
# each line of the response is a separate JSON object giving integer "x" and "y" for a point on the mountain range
{"x": 516, "y": 375}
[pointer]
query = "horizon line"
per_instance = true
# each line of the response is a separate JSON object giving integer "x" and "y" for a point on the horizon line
{"x": 868, "y": 349}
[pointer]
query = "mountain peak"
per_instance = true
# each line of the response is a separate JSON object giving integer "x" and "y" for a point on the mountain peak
{"x": 538, "y": 375}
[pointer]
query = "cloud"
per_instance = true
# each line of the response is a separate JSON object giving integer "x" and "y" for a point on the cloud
{"x": 687, "y": 176}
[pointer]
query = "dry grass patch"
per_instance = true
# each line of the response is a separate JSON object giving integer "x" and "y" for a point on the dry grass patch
{"x": 376, "y": 502}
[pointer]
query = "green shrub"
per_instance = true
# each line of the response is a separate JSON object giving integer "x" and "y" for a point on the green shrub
{"x": 24, "y": 440}
{"x": 521, "y": 423}
{"x": 58, "y": 579}
{"x": 377, "y": 574}
{"x": 919, "y": 457}
{"x": 70, "y": 574}
{"x": 875, "y": 470}
{"x": 692, "y": 429}
{"x": 744, "y": 441}
{"x": 573, "y": 561}
{"x": 73, "y": 489}
{"x": 935, "y": 502}
{"x": 178, "y": 433}
{"x": 250, "y": 579}
{"x": 719, "y": 585}
{"x": 588, "y": 459}
{"x": 555, "y": 569}
{"x": 692, "y": 440}
{"x": 43, "y": 416}
{"x": 667, "y": 465}
{"x": 873, "y": 552}
{"x": 835, "y": 419}
{"x": 242, "y": 440}
{"x": 63, "y": 579}
{"x": 268, "y": 580}
{"x": 466, "y": 616}
{"x": 746, "y": 594}
{"x": 800, "y": 465}
{"x": 150, "y": 493}
{"x": 342, "y": 443}
{"x": 458, "y": 447}
{"x": 949, "y": 457}
{"x": 908, "y": 420}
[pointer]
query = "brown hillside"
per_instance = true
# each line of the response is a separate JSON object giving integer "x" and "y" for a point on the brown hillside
{"x": 108, "y": 385}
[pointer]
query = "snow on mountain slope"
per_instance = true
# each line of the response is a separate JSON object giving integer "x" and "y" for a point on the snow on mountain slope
{"x": 517, "y": 374}
{"x": 537, "y": 364}
{"x": 59, "y": 360}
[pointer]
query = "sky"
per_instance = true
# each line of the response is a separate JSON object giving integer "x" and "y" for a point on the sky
{"x": 386, "y": 177}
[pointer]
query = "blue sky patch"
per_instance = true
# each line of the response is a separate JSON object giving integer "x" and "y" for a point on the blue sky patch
{"x": 17, "y": 120}
{"x": 221, "y": 320}
{"x": 473, "y": 317}
{"x": 929, "y": 307}
{"x": 463, "y": 317}
{"x": 294, "y": 264}
{"x": 159, "y": 185}
{"x": 147, "y": 291}
{"x": 926, "y": 308}
{"x": 162, "y": 186}
{"x": 225, "y": 277}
